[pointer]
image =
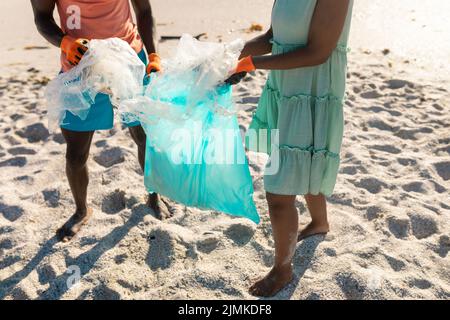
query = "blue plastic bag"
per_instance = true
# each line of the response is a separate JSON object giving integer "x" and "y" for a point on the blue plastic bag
{"x": 203, "y": 163}
{"x": 195, "y": 153}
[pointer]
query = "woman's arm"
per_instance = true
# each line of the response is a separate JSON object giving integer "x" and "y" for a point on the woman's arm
{"x": 46, "y": 25}
{"x": 258, "y": 46}
{"x": 145, "y": 24}
{"x": 326, "y": 27}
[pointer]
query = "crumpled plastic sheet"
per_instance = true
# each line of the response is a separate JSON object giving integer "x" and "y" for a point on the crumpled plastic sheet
{"x": 110, "y": 66}
{"x": 190, "y": 76}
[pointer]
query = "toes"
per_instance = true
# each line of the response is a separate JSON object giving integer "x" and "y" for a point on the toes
{"x": 64, "y": 235}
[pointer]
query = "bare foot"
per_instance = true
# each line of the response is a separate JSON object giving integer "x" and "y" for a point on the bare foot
{"x": 161, "y": 212}
{"x": 73, "y": 225}
{"x": 273, "y": 282}
{"x": 313, "y": 230}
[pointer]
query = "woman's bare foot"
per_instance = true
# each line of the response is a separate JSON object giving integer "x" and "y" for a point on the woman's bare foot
{"x": 273, "y": 282}
{"x": 313, "y": 229}
{"x": 154, "y": 203}
{"x": 73, "y": 225}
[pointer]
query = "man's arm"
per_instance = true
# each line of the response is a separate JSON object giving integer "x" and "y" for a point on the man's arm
{"x": 145, "y": 23}
{"x": 45, "y": 23}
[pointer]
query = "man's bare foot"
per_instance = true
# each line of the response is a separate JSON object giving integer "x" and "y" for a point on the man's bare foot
{"x": 313, "y": 230}
{"x": 161, "y": 211}
{"x": 273, "y": 282}
{"x": 73, "y": 225}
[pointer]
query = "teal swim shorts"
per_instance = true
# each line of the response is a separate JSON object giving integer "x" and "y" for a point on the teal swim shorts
{"x": 101, "y": 113}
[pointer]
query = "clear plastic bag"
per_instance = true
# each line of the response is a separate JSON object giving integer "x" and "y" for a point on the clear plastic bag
{"x": 110, "y": 66}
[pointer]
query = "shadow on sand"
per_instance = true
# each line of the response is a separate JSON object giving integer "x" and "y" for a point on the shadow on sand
{"x": 85, "y": 262}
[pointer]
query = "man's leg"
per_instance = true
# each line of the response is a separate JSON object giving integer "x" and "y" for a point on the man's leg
{"x": 139, "y": 137}
{"x": 78, "y": 145}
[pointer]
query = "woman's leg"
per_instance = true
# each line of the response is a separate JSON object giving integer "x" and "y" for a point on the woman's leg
{"x": 317, "y": 206}
{"x": 284, "y": 219}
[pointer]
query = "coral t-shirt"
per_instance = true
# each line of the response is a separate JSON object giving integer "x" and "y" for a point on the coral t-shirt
{"x": 98, "y": 19}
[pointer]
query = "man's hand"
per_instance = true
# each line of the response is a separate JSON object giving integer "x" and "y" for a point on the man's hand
{"x": 244, "y": 66}
{"x": 74, "y": 49}
{"x": 154, "y": 64}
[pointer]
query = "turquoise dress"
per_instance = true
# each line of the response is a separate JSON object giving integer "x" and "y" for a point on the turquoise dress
{"x": 305, "y": 105}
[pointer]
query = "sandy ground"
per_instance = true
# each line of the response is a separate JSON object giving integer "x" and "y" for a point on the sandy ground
{"x": 390, "y": 212}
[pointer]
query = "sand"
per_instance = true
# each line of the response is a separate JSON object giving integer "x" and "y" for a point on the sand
{"x": 389, "y": 214}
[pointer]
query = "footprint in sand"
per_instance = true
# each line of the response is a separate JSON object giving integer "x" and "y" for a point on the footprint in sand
{"x": 51, "y": 197}
{"x": 373, "y": 213}
{"x": 34, "y": 133}
{"x": 377, "y": 109}
{"x": 352, "y": 285}
{"x": 399, "y": 227}
{"x": 416, "y": 186}
{"x": 373, "y": 185}
{"x": 59, "y": 138}
{"x": 241, "y": 232}
{"x": 443, "y": 169}
{"x": 114, "y": 202}
{"x": 120, "y": 258}
{"x": 21, "y": 151}
{"x": 373, "y": 94}
{"x": 444, "y": 246}
{"x": 6, "y": 244}
{"x": 14, "y": 162}
{"x": 250, "y": 100}
{"x": 9, "y": 261}
{"x": 423, "y": 225}
{"x": 407, "y": 161}
{"x": 386, "y": 148}
{"x": 46, "y": 273}
{"x": 161, "y": 254}
{"x": 396, "y": 84}
{"x": 381, "y": 125}
{"x": 11, "y": 213}
{"x": 209, "y": 242}
{"x": 103, "y": 292}
{"x": 410, "y": 134}
{"x": 109, "y": 157}
{"x": 420, "y": 283}
{"x": 350, "y": 170}
{"x": 396, "y": 264}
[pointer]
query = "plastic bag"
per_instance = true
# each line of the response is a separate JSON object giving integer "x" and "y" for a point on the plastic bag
{"x": 110, "y": 66}
{"x": 194, "y": 150}
{"x": 195, "y": 153}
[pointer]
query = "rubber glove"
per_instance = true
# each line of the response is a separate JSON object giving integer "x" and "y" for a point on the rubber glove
{"x": 154, "y": 63}
{"x": 74, "y": 49}
{"x": 244, "y": 66}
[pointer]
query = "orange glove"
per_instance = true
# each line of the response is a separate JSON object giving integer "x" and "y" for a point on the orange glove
{"x": 74, "y": 49}
{"x": 245, "y": 65}
{"x": 154, "y": 63}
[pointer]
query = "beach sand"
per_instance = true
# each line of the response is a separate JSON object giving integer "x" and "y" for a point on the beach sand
{"x": 389, "y": 214}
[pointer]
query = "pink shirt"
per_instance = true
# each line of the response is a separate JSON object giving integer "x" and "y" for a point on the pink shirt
{"x": 98, "y": 19}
